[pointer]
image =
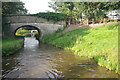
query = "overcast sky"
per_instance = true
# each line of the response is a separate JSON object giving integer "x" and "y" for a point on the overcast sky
{"x": 36, "y": 6}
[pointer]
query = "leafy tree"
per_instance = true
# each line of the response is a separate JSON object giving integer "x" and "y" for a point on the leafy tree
{"x": 79, "y": 10}
{"x": 13, "y": 8}
{"x": 91, "y": 10}
{"x": 88, "y": 10}
{"x": 102, "y": 8}
{"x": 64, "y": 7}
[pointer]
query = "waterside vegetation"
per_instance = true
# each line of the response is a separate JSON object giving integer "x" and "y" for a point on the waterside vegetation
{"x": 27, "y": 32}
{"x": 100, "y": 43}
{"x": 11, "y": 45}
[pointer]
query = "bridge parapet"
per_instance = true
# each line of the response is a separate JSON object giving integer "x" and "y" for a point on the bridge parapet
{"x": 31, "y": 19}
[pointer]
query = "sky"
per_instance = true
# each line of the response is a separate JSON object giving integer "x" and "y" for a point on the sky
{"x": 36, "y": 6}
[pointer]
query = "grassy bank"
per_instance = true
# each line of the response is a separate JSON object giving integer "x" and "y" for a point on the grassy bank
{"x": 11, "y": 45}
{"x": 100, "y": 43}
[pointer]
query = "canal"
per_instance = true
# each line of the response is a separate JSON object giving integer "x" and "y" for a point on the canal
{"x": 37, "y": 60}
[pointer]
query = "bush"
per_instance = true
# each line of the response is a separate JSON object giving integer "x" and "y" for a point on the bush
{"x": 51, "y": 16}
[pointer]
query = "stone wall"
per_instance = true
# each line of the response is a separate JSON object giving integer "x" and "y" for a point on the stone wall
{"x": 30, "y": 19}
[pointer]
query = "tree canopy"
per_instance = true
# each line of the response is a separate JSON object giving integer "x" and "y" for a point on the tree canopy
{"x": 91, "y": 10}
{"x": 13, "y": 8}
{"x": 51, "y": 16}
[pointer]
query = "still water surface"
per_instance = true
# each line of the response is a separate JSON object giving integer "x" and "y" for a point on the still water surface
{"x": 44, "y": 61}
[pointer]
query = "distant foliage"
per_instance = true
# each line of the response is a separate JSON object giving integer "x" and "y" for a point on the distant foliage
{"x": 22, "y": 32}
{"x": 36, "y": 35}
{"x": 51, "y": 16}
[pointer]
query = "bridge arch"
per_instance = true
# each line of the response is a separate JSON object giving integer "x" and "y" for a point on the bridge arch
{"x": 35, "y": 27}
{"x": 43, "y": 28}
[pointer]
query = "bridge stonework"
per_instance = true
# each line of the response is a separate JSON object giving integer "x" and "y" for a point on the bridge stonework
{"x": 31, "y": 19}
{"x": 46, "y": 27}
{"x": 43, "y": 27}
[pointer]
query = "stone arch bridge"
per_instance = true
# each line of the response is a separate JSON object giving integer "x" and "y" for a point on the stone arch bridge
{"x": 44, "y": 26}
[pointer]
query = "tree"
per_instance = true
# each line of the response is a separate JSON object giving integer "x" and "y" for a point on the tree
{"x": 65, "y": 8}
{"x": 95, "y": 10}
{"x": 91, "y": 10}
{"x": 79, "y": 10}
{"x": 13, "y": 8}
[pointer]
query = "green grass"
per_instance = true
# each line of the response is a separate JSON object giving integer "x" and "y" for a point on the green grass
{"x": 100, "y": 43}
{"x": 11, "y": 45}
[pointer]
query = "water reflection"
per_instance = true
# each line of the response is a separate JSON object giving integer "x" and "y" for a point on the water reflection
{"x": 45, "y": 61}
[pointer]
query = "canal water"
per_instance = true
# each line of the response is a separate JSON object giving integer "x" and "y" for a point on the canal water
{"x": 37, "y": 60}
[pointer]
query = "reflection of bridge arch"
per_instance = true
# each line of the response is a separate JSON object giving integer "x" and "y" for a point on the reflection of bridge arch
{"x": 29, "y": 26}
{"x": 43, "y": 28}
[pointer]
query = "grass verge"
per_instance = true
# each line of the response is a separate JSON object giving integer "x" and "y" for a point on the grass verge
{"x": 11, "y": 45}
{"x": 100, "y": 43}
